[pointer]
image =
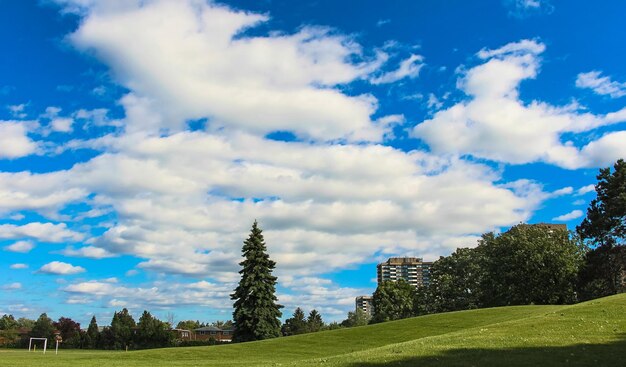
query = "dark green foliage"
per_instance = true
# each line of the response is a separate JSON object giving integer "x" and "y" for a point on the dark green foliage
{"x": 529, "y": 264}
{"x": 356, "y": 318}
{"x": 8, "y": 322}
{"x": 604, "y": 228}
{"x": 228, "y": 324}
{"x": 605, "y": 223}
{"x": 70, "y": 332}
{"x": 152, "y": 332}
{"x": 393, "y": 301}
{"x": 93, "y": 334}
{"x": 296, "y": 324}
{"x": 454, "y": 283}
{"x": 314, "y": 322}
{"x": 122, "y": 327}
{"x": 189, "y": 325}
{"x": 43, "y": 328}
{"x": 257, "y": 313}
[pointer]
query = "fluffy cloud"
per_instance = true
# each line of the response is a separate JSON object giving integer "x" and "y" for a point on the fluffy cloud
{"x": 574, "y": 214}
{"x": 14, "y": 141}
{"x": 409, "y": 68}
{"x": 602, "y": 85}
{"x": 20, "y": 246}
{"x": 158, "y": 295}
{"x": 267, "y": 83}
{"x": 45, "y": 232}
{"x": 18, "y": 266}
{"x": 495, "y": 124}
{"x": 61, "y": 268}
{"x": 87, "y": 251}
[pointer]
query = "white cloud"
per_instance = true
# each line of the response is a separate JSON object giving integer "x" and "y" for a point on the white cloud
{"x": 586, "y": 189}
{"x": 602, "y": 85}
{"x": 45, "y": 232}
{"x": 495, "y": 124}
{"x": 18, "y": 266}
{"x": 20, "y": 246}
{"x": 17, "y": 111}
{"x": 12, "y": 286}
{"x": 91, "y": 252}
{"x": 574, "y": 214}
{"x": 564, "y": 191}
{"x": 409, "y": 68}
{"x": 212, "y": 70}
{"x": 61, "y": 268}
{"x": 525, "y": 8}
{"x": 14, "y": 141}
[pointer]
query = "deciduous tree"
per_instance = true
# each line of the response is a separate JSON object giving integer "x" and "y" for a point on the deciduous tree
{"x": 393, "y": 301}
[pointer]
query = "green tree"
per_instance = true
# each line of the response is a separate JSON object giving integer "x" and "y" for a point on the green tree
{"x": 188, "y": 325}
{"x": 93, "y": 333}
{"x": 393, "y": 301}
{"x": 604, "y": 229}
{"x": 529, "y": 264}
{"x": 454, "y": 283}
{"x": 314, "y": 322}
{"x": 122, "y": 327}
{"x": 70, "y": 332}
{"x": 296, "y": 324}
{"x": 43, "y": 328}
{"x": 256, "y": 315}
{"x": 356, "y": 318}
{"x": 8, "y": 322}
{"x": 152, "y": 332}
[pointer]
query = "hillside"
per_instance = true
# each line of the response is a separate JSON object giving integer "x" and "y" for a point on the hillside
{"x": 590, "y": 333}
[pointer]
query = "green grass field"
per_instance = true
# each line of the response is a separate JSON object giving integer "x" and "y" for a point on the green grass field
{"x": 588, "y": 334}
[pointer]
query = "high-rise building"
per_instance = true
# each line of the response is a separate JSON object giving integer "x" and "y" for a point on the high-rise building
{"x": 365, "y": 303}
{"x": 412, "y": 269}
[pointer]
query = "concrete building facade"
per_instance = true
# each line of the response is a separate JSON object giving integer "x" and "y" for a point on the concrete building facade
{"x": 412, "y": 269}
{"x": 365, "y": 303}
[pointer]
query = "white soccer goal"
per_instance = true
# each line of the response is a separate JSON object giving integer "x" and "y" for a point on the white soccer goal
{"x": 45, "y": 343}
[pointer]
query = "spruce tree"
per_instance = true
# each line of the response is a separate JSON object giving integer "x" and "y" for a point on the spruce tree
{"x": 256, "y": 314}
{"x": 93, "y": 332}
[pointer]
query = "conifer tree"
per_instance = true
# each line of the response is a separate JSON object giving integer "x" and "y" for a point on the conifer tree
{"x": 256, "y": 315}
{"x": 93, "y": 333}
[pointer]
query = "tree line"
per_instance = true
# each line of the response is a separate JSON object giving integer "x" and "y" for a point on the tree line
{"x": 529, "y": 264}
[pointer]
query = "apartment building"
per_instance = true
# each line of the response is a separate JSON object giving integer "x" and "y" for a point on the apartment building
{"x": 365, "y": 303}
{"x": 412, "y": 269}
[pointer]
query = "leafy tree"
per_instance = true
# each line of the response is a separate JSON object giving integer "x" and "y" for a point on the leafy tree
{"x": 529, "y": 264}
{"x": 24, "y": 323}
{"x": 228, "y": 324}
{"x": 604, "y": 229}
{"x": 256, "y": 315}
{"x": 356, "y": 318}
{"x": 296, "y": 324}
{"x": 393, "y": 301}
{"x": 70, "y": 332}
{"x": 188, "y": 325}
{"x": 122, "y": 327}
{"x": 332, "y": 326}
{"x": 152, "y": 332}
{"x": 454, "y": 283}
{"x": 43, "y": 328}
{"x": 314, "y": 322}
{"x": 8, "y": 322}
{"x": 93, "y": 333}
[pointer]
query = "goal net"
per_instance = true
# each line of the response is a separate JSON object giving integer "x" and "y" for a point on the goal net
{"x": 33, "y": 346}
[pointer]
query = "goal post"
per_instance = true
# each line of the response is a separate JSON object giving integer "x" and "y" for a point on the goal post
{"x": 45, "y": 344}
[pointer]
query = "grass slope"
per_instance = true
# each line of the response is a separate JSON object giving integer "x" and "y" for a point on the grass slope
{"x": 591, "y": 333}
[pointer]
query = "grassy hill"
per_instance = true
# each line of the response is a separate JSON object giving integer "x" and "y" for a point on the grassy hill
{"x": 588, "y": 334}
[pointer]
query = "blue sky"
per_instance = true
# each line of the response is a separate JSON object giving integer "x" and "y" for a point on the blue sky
{"x": 139, "y": 140}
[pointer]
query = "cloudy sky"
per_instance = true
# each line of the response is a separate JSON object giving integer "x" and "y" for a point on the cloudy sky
{"x": 139, "y": 140}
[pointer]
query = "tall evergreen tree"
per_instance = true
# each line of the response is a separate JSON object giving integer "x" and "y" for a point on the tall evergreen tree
{"x": 93, "y": 333}
{"x": 122, "y": 327}
{"x": 314, "y": 322}
{"x": 256, "y": 315}
{"x": 296, "y": 324}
